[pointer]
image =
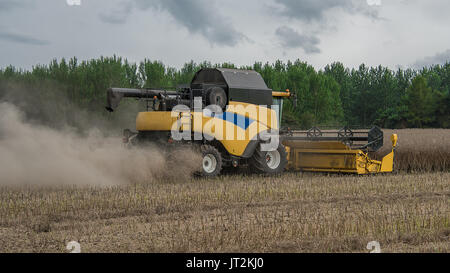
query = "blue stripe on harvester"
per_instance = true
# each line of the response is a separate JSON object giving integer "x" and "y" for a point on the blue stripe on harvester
{"x": 238, "y": 120}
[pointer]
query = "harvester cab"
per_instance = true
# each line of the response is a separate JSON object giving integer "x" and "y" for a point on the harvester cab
{"x": 234, "y": 119}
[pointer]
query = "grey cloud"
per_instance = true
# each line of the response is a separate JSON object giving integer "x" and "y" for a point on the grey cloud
{"x": 313, "y": 10}
{"x": 22, "y": 39}
{"x": 119, "y": 15}
{"x": 113, "y": 19}
{"x": 198, "y": 16}
{"x": 290, "y": 38}
{"x": 8, "y": 5}
{"x": 439, "y": 58}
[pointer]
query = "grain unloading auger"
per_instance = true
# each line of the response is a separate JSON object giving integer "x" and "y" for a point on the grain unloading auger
{"x": 233, "y": 118}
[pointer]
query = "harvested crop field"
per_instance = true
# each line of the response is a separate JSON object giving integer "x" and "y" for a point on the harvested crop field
{"x": 408, "y": 211}
{"x": 292, "y": 213}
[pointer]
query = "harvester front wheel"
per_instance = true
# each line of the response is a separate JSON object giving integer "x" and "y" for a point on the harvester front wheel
{"x": 271, "y": 162}
{"x": 211, "y": 161}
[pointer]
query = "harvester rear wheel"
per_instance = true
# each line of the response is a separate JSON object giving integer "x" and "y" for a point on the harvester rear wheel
{"x": 273, "y": 162}
{"x": 211, "y": 161}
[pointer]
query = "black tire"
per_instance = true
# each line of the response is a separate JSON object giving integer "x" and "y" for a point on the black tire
{"x": 211, "y": 161}
{"x": 217, "y": 96}
{"x": 261, "y": 164}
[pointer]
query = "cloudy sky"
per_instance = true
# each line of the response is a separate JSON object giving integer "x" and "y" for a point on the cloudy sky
{"x": 406, "y": 33}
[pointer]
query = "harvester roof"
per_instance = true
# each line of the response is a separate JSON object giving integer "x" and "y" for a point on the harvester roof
{"x": 242, "y": 85}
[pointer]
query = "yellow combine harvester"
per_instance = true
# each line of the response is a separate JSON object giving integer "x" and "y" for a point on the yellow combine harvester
{"x": 233, "y": 118}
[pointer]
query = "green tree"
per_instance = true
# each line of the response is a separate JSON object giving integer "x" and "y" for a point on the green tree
{"x": 420, "y": 103}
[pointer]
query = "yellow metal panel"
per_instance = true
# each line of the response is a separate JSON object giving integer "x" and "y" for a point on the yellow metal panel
{"x": 301, "y": 159}
{"x": 262, "y": 114}
{"x": 234, "y": 138}
{"x": 154, "y": 121}
{"x": 320, "y": 145}
{"x": 333, "y": 157}
{"x": 387, "y": 164}
{"x": 330, "y": 170}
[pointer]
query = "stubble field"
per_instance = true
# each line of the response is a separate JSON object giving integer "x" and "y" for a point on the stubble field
{"x": 408, "y": 211}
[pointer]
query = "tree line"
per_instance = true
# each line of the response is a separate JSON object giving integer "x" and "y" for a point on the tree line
{"x": 335, "y": 95}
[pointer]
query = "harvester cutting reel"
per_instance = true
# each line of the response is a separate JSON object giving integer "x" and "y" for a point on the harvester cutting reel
{"x": 345, "y": 134}
{"x": 370, "y": 140}
{"x": 314, "y": 132}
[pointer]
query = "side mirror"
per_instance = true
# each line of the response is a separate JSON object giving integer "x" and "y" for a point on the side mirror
{"x": 394, "y": 139}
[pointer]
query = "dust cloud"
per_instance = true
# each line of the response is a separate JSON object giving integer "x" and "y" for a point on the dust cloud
{"x": 34, "y": 154}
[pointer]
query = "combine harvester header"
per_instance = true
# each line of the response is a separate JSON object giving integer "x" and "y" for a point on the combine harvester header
{"x": 234, "y": 92}
{"x": 343, "y": 151}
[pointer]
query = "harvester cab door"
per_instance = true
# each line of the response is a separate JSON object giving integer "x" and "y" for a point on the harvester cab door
{"x": 278, "y": 102}
{"x": 278, "y": 108}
